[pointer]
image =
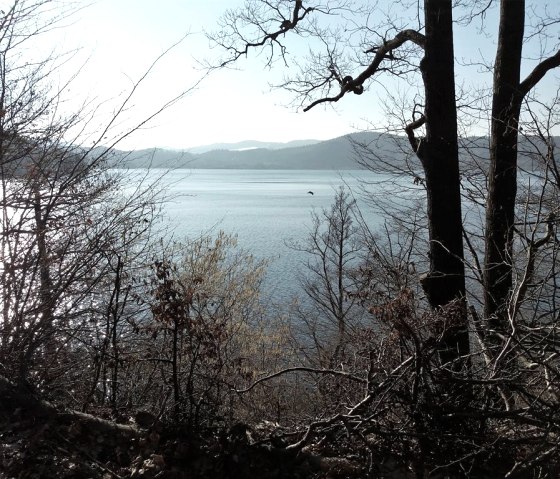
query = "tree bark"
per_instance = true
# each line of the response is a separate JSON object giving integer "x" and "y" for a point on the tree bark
{"x": 438, "y": 152}
{"x": 502, "y": 181}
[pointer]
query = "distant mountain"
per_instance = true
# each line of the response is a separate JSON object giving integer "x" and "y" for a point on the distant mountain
{"x": 335, "y": 154}
{"x": 250, "y": 145}
{"x": 340, "y": 153}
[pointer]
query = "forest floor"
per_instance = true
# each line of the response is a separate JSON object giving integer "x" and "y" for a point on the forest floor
{"x": 39, "y": 440}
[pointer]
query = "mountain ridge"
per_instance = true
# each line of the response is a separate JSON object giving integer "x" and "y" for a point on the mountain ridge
{"x": 334, "y": 154}
{"x": 386, "y": 151}
{"x": 249, "y": 144}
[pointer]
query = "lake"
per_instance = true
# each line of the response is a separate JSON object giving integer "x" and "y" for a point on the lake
{"x": 265, "y": 208}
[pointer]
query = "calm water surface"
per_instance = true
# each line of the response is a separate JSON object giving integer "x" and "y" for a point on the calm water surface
{"x": 265, "y": 208}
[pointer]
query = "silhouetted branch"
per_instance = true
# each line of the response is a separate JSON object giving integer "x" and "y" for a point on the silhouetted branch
{"x": 538, "y": 73}
{"x": 409, "y": 129}
{"x": 382, "y": 52}
{"x": 304, "y": 369}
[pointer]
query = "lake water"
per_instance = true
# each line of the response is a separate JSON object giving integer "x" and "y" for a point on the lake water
{"x": 265, "y": 208}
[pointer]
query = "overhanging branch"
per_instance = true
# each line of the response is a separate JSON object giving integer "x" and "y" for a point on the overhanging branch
{"x": 382, "y": 52}
{"x": 538, "y": 73}
{"x": 297, "y": 15}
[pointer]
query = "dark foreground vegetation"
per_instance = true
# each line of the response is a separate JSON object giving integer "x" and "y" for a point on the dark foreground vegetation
{"x": 427, "y": 349}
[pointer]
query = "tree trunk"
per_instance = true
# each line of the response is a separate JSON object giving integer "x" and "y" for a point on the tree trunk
{"x": 438, "y": 152}
{"x": 44, "y": 334}
{"x": 502, "y": 181}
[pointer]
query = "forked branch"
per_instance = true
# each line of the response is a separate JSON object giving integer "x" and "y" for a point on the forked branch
{"x": 409, "y": 129}
{"x": 251, "y": 17}
{"x": 382, "y": 52}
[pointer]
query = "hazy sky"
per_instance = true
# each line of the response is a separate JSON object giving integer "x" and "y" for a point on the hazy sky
{"x": 121, "y": 38}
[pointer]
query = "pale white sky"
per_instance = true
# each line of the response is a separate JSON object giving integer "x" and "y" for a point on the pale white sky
{"x": 121, "y": 38}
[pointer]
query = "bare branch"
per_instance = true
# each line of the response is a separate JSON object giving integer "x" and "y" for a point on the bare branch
{"x": 304, "y": 369}
{"x": 538, "y": 73}
{"x": 409, "y": 129}
{"x": 296, "y": 16}
{"x": 382, "y": 52}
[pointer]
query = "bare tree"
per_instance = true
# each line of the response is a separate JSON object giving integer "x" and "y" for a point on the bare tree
{"x": 509, "y": 93}
{"x": 437, "y": 150}
{"x": 510, "y": 351}
{"x": 204, "y": 303}
{"x": 68, "y": 221}
{"x": 329, "y": 304}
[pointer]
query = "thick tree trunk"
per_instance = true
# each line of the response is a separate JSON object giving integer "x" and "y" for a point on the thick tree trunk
{"x": 502, "y": 181}
{"x": 440, "y": 158}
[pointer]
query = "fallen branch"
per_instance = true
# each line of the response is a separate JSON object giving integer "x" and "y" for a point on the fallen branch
{"x": 13, "y": 397}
